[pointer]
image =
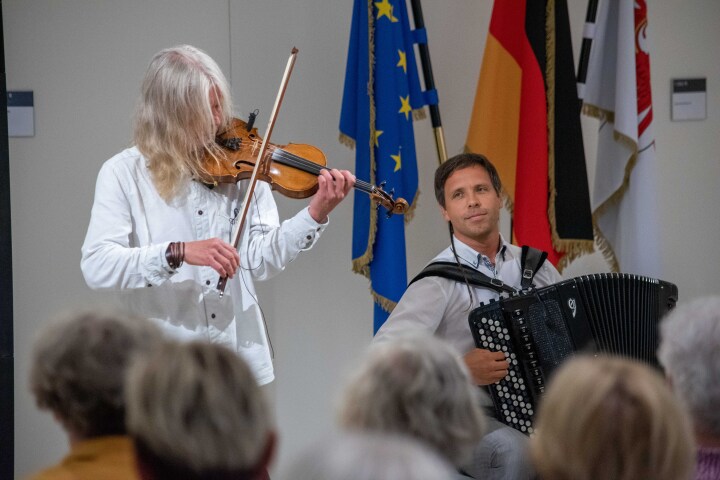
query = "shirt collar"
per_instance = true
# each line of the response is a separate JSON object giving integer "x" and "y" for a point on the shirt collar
{"x": 473, "y": 258}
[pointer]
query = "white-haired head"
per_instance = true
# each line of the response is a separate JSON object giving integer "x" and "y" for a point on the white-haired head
{"x": 690, "y": 354}
{"x": 417, "y": 386}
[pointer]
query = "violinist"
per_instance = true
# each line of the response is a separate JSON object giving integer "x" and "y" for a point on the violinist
{"x": 160, "y": 229}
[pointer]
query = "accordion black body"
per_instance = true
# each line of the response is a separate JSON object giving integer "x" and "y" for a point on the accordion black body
{"x": 614, "y": 313}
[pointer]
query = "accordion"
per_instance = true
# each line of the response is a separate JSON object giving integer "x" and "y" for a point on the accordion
{"x": 537, "y": 330}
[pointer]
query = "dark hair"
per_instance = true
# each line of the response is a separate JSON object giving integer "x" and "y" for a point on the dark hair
{"x": 161, "y": 468}
{"x": 464, "y": 160}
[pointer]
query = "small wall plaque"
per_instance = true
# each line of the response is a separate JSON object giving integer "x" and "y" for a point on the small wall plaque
{"x": 21, "y": 117}
{"x": 689, "y": 99}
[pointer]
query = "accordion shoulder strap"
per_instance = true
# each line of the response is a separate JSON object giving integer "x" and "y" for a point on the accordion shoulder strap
{"x": 530, "y": 262}
{"x": 461, "y": 273}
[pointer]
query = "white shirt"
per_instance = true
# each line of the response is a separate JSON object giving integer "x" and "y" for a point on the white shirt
{"x": 131, "y": 227}
{"x": 441, "y": 306}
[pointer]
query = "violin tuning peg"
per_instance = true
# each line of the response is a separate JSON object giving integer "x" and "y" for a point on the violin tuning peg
{"x": 382, "y": 184}
{"x": 392, "y": 192}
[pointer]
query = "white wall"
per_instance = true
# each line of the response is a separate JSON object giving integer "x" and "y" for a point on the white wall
{"x": 84, "y": 60}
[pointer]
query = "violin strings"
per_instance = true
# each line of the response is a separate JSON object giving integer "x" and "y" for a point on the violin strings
{"x": 286, "y": 158}
{"x": 293, "y": 160}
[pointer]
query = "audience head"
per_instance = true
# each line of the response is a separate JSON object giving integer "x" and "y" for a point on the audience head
{"x": 690, "y": 354}
{"x": 416, "y": 386}
{"x": 196, "y": 412}
{"x": 78, "y": 368}
{"x": 458, "y": 162}
{"x": 610, "y": 417}
{"x": 369, "y": 456}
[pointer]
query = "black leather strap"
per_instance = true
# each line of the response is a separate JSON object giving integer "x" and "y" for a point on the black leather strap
{"x": 453, "y": 271}
{"x": 530, "y": 262}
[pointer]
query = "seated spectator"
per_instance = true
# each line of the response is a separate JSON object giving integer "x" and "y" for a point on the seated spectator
{"x": 690, "y": 353}
{"x": 610, "y": 418}
{"x": 368, "y": 456}
{"x": 77, "y": 372}
{"x": 196, "y": 412}
{"x": 416, "y": 386}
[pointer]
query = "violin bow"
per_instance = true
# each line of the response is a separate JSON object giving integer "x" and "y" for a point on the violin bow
{"x": 260, "y": 163}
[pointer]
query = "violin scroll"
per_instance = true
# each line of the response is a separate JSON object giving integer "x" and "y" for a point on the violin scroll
{"x": 382, "y": 198}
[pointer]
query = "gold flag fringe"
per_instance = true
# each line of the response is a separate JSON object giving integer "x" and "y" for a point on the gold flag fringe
{"x": 347, "y": 141}
{"x": 384, "y": 302}
{"x": 419, "y": 114}
{"x": 599, "y": 113}
{"x": 606, "y": 249}
{"x": 602, "y": 242}
{"x": 572, "y": 249}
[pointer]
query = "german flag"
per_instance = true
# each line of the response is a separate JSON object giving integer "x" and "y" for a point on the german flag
{"x": 526, "y": 120}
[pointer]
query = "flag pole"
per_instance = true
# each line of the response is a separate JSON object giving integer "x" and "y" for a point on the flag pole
{"x": 429, "y": 83}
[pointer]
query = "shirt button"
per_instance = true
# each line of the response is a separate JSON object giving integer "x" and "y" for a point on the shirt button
{"x": 319, "y": 228}
{"x": 309, "y": 237}
{"x": 207, "y": 282}
{"x": 212, "y": 316}
{"x": 149, "y": 284}
{"x": 200, "y": 212}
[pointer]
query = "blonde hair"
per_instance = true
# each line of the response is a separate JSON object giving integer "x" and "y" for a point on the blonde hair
{"x": 416, "y": 386}
{"x": 195, "y": 409}
{"x": 174, "y": 126}
{"x": 613, "y": 418}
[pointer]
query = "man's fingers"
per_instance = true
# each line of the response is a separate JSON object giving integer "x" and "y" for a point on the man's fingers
{"x": 497, "y": 355}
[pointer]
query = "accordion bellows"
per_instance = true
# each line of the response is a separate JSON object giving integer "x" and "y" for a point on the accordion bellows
{"x": 537, "y": 330}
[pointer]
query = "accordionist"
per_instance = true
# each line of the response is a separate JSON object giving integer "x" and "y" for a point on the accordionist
{"x": 468, "y": 189}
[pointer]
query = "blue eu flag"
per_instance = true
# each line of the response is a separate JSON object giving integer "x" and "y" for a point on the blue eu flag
{"x": 382, "y": 89}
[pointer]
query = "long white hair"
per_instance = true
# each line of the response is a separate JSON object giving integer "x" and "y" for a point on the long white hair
{"x": 174, "y": 124}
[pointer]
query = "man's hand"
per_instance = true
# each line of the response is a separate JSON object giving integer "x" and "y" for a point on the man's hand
{"x": 333, "y": 186}
{"x": 215, "y": 253}
{"x": 486, "y": 367}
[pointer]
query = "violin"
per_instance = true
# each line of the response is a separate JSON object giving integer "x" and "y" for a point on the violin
{"x": 290, "y": 169}
{"x": 240, "y": 153}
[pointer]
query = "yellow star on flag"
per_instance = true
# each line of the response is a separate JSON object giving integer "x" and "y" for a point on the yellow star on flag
{"x": 376, "y": 136}
{"x": 405, "y": 108}
{"x": 403, "y": 61}
{"x": 385, "y": 9}
{"x": 398, "y": 161}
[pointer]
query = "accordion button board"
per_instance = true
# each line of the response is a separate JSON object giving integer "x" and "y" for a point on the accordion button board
{"x": 538, "y": 329}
